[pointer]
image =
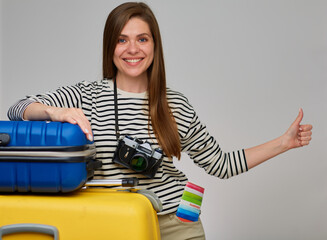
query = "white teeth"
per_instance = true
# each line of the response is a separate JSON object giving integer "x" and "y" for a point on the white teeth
{"x": 133, "y": 60}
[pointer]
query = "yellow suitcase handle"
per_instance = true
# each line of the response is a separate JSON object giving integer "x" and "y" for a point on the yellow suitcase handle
{"x": 29, "y": 227}
{"x": 125, "y": 182}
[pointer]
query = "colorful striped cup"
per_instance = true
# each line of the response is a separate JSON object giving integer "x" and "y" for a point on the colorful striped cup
{"x": 189, "y": 207}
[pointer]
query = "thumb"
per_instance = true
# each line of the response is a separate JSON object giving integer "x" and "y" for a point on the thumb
{"x": 298, "y": 118}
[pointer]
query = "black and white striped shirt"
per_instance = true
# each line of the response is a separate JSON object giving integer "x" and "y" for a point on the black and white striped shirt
{"x": 97, "y": 102}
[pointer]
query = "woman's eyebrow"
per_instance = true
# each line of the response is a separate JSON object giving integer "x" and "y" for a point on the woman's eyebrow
{"x": 144, "y": 34}
{"x": 139, "y": 35}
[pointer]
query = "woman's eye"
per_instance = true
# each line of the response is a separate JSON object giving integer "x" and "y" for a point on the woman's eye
{"x": 143, "y": 40}
{"x": 121, "y": 40}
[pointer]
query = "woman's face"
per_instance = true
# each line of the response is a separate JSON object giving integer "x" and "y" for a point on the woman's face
{"x": 134, "y": 50}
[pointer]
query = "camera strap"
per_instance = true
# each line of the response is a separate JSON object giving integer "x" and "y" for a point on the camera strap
{"x": 116, "y": 110}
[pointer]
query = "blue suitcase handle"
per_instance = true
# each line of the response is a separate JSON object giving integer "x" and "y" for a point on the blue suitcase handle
{"x": 29, "y": 227}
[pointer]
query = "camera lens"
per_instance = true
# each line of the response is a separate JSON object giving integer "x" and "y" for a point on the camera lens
{"x": 139, "y": 162}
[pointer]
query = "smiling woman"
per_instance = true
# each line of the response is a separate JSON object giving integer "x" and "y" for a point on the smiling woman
{"x": 120, "y": 27}
{"x": 132, "y": 101}
{"x": 134, "y": 55}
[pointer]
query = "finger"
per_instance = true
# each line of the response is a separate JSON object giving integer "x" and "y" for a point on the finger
{"x": 305, "y": 134}
{"x": 304, "y": 143}
{"x": 302, "y": 139}
{"x": 81, "y": 124}
{"x": 75, "y": 116}
{"x": 86, "y": 130}
{"x": 70, "y": 120}
{"x": 306, "y": 127}
{"x": 298, "y": 118}
{"x": 84, "y": 124}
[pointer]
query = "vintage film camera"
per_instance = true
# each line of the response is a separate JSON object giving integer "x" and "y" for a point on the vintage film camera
{"x": 138, "y": 156}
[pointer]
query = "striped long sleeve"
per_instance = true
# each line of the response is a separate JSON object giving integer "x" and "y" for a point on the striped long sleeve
{"x": 201, "y": 147}
{"x": 206, "y": 153}
{"x": 67, "y": 97}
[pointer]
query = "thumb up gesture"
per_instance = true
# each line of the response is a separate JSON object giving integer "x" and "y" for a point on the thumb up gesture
{"x": 297, "y": 135}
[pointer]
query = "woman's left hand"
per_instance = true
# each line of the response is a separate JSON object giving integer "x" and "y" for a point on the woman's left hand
{"x": 297, "y": 135}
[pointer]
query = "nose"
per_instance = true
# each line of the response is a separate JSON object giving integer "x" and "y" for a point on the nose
{"x": 133, "y": 47}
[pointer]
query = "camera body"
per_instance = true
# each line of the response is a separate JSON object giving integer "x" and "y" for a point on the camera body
{"x": 138, "y": 156}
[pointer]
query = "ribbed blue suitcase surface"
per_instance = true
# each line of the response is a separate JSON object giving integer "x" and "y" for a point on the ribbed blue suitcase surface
{"x": 38, "y": 156}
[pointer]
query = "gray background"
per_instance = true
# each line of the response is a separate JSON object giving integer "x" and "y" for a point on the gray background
{"x": 246, "y": 66}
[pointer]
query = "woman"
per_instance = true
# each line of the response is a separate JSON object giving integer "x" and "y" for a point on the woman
{"x": 133, "y": 65}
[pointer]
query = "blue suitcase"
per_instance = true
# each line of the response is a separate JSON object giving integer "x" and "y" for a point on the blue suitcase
{"x": 50, "y": 157}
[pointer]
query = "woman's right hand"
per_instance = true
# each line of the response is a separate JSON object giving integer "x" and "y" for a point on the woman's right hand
{"x": 71, "y": 115}
{"x": 38, "y": 111}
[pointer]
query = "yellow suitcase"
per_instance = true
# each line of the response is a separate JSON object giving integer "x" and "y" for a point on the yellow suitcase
{"x": 90, "y": 214}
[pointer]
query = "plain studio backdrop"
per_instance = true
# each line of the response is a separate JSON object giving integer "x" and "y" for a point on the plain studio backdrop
{"x": 246, "y": 67}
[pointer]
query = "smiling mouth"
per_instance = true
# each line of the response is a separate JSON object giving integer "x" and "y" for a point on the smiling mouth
{"x": 133, "y": 60}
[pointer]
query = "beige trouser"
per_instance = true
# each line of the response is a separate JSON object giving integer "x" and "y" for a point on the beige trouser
{"x": 171, "y": 228}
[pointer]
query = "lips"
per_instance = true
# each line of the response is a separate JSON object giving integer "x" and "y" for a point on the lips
{"x": 134, "y": 60}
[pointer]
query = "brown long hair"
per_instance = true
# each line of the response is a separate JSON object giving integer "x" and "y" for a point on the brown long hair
{"x": 160, "y": 115}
